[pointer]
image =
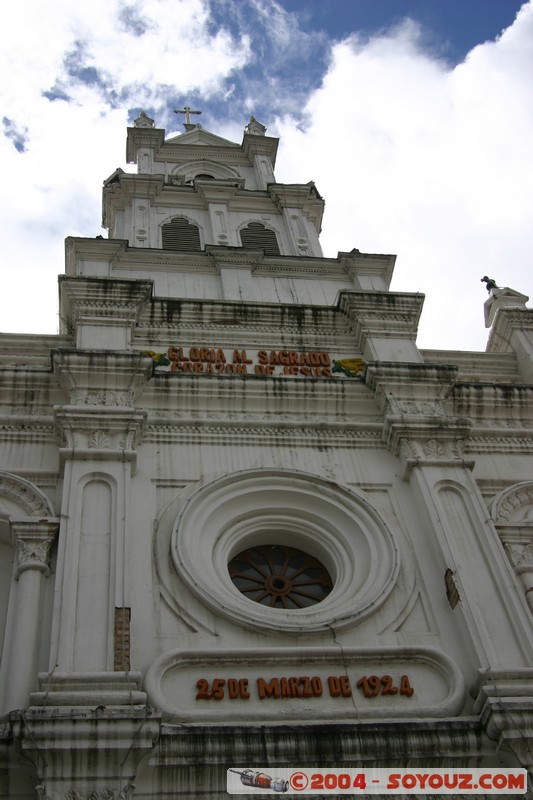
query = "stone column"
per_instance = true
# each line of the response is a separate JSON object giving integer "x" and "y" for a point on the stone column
{"x": 34, "y": 539}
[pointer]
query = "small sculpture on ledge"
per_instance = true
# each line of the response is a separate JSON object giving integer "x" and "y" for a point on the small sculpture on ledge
{"x": 491, "y": 283}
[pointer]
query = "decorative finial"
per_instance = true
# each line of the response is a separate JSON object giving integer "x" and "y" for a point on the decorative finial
{"x": 187, "y": 110}
{"x": 491, "y": 283}
{"x": 143, "y": 121}
{"x": 254, "y": 127}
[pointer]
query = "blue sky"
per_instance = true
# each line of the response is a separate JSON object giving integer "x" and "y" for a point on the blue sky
{"x": 414, "y": 117}
{"x": 452, "y": 28}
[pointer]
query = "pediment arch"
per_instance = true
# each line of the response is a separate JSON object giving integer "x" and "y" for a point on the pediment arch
{"x": 514, "y": 505}
{"x": 21, "y": 498}
{"x": 204, "y": 166}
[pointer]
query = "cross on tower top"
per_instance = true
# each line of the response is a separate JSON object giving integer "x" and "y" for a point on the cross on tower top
{"x": 187, "y": 110}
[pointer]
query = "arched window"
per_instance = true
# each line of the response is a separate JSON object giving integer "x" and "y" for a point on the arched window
{"x": 180, "y": 234}
{"x": 256, "y": 237}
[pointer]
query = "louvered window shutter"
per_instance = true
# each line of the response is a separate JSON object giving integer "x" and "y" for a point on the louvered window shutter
{"x": 257, "y": 237}
{"x": 180, "y": 234}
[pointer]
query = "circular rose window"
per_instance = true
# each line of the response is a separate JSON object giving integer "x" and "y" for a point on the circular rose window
{"x": 280, "y": 577}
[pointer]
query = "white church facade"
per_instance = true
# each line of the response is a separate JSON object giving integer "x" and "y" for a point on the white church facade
{"x": 245, "y": 521}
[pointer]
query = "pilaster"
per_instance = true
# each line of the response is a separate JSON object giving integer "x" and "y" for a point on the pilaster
{"x": 477, "y": 576}
{"x": 99, "y": 429}
{"x": 302, "y": 197}
{"x": 420, "y": 430}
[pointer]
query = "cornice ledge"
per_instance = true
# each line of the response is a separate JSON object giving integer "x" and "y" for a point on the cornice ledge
{"x": 308, "y": 435}
{"x": 505, "y": 705}
{"x": 77, "y": 248}
{"x": 87, "y": 375}
{"x": 411, "y": 383}
{"x": 101, "y": 301}
{"x": 381, "y": 314}
{"x": 356, "y": 263}
{"x": 506, "y": 322}
{"x": 260, "y": 145}
{"x": 299, "y": 195}
{"x": 221, "y": 256}
{"x": 143, "y": 137}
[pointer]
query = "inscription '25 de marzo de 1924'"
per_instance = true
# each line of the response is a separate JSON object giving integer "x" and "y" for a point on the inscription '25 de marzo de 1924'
{"x": 301, "y": 687}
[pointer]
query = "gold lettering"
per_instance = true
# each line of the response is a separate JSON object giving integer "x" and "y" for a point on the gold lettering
{"x": 294, "y": 685}
{"x": 294, "y": 358}
{"x": 265, "y": 689}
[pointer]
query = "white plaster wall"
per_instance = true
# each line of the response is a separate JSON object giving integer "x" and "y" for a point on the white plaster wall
{"x": 416, "y": 614}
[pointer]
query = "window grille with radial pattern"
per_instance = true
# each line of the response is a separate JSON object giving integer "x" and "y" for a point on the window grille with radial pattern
{"x": 280, "y": 577}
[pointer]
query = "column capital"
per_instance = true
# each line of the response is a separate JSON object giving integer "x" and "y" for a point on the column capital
{"x": 101, "y": 378}
{"x": 34, "y": 540}
{"x": 417, "y": 424}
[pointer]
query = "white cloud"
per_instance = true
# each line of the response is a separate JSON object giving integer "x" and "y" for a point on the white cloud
{"x": 413, "y": 157}
{"x": 432, "y": 163}
{"x": 93, "y": 54}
